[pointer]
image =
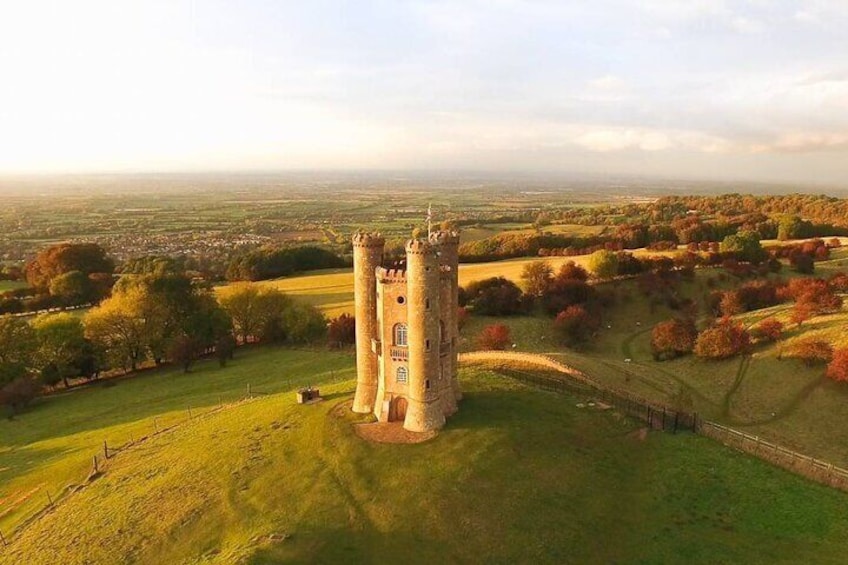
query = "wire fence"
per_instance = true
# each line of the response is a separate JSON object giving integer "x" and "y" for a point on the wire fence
{"x": 144, "y": 431}
{"x": 660, "y": 417}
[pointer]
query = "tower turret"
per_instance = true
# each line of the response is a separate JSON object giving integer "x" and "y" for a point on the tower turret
{"x": 422, "y": 266}
{"x": 448, "y": 245}
{"x": 367, "y": 256}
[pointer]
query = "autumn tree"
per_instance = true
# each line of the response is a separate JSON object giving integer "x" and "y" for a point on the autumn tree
{"x": 811, "y": 351}
{"x": 494, "y": 337}
{"x": 575, "y": 325}
{"x": 837, "y": 369}
{"x": 673, "y": 338}
{"x": 769, "y": 330}
{"x": 731, "y": 304}
{"x": 86, "y": 258}
{"x": 722, "y": 340}
{"x": 537, "y": 277}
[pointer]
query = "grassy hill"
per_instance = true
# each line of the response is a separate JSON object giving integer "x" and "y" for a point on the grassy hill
{"x": 518, "y": 475}
{"x": 763, "y": 394}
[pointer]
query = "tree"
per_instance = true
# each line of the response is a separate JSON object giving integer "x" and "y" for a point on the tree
{"x": 341, "y": 331}
{"x": 673, "y": 338}
{"x": 731, "y": 304}
{"x": 73, "y": 287}
{"x": 745, "y": 245}
{"x": 86, "y": 258}
{"x": 837, "y": 369}
{"x": 251, "y": 307}
{"x": 495, "y": 337}
{"x": 184, "y": 350}
{"x": 224, "y": 349}
{"x": 61, "y": 346}
{"x": 603, "y": 264}
{"x": 494, "y": 296}
{"x": 537, "y": 277}
{"x": 575, "y": 325}
{"x": 725, "y": 339}
{"x": 802, "y": 263}
{"x": 811, "y": 351}
{"x": 769, "y": 330}
{"x": 119, "y": 328}
{"x": 572, "y": 271}
{"x": 17, "y": 346}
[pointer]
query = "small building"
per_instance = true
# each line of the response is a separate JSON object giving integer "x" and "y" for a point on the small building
{"x": 307, "y": 395}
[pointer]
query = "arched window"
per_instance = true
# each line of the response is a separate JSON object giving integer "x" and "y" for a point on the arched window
{"x": 400, "y": 334}
{"x": 402, "y": 375}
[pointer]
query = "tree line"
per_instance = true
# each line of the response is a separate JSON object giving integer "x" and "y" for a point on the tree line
{"x": 150, "y": 318}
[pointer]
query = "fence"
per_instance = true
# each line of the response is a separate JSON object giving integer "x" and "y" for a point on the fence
{"x": 654, "y": 415}
{"x": 662, "y": 417}
{"x": 156, "y": 426}
{"x": 810, "y": 467}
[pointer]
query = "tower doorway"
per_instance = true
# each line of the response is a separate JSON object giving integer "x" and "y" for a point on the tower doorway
{"x": 397, "y": 412}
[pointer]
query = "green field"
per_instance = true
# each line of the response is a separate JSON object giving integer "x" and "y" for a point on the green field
{"x": 6, "y": 286}
{"x": 518, "y": 475}
{"x": 780, "y": 399}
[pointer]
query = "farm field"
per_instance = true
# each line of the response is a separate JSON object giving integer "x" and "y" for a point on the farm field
{"x": 331, "y": 290}
{"x": 517, "y": 475}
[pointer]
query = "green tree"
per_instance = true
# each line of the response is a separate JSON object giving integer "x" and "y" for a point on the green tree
{"x": 17, "y": 346}
{"x": 73, "y": 287}
{"x": 745, "y": 245}
{"x": 60, "y": 346}
{"x": 603, "y": 264}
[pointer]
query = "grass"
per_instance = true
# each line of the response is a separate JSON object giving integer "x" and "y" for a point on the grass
{"x": 6, "y": 286}
{"x": 766, "y": 394}
{"x": 50, "y": 446}
{"x": 518, "y": 475}
{"x": 332, "y": 290}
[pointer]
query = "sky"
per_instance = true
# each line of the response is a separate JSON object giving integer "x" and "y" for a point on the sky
{"x": 702, "y": 89}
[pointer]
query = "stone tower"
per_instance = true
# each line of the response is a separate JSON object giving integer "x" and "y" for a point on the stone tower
{"x": 367, "y": 256}
{"x": 406, "y": 331}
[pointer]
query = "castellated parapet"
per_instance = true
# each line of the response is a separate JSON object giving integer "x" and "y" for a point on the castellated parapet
{"x": 407, "y": 345}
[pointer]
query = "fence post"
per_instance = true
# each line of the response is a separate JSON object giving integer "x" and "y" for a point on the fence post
{"x": 3, "y": 539}
{"x": 96, "y": 469}
{"x": 105, "y": 450}
{"x": 248, "y": 390}
{"x": 155, "y": 427}
{"x": 49, "y": 498}
{"x": 189, "y": 412}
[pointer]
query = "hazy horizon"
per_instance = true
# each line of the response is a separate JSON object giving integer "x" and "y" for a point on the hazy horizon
{"x": 734, "y": 91}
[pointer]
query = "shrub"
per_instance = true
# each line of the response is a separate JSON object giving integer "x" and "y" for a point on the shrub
{"x": 769, "y": 330}
{"x": 341, "y": 331}
{"x": 461, "y": 317}
{"x": 725, "y": 339}
{"x": 575, "y": 325}
{"x": 673, "y": 338}
{"x": 811, "y": 351}
{"x": 495, "y": 336}
{"x": 838, "y": 367}
{"x": 495, "y": 296}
